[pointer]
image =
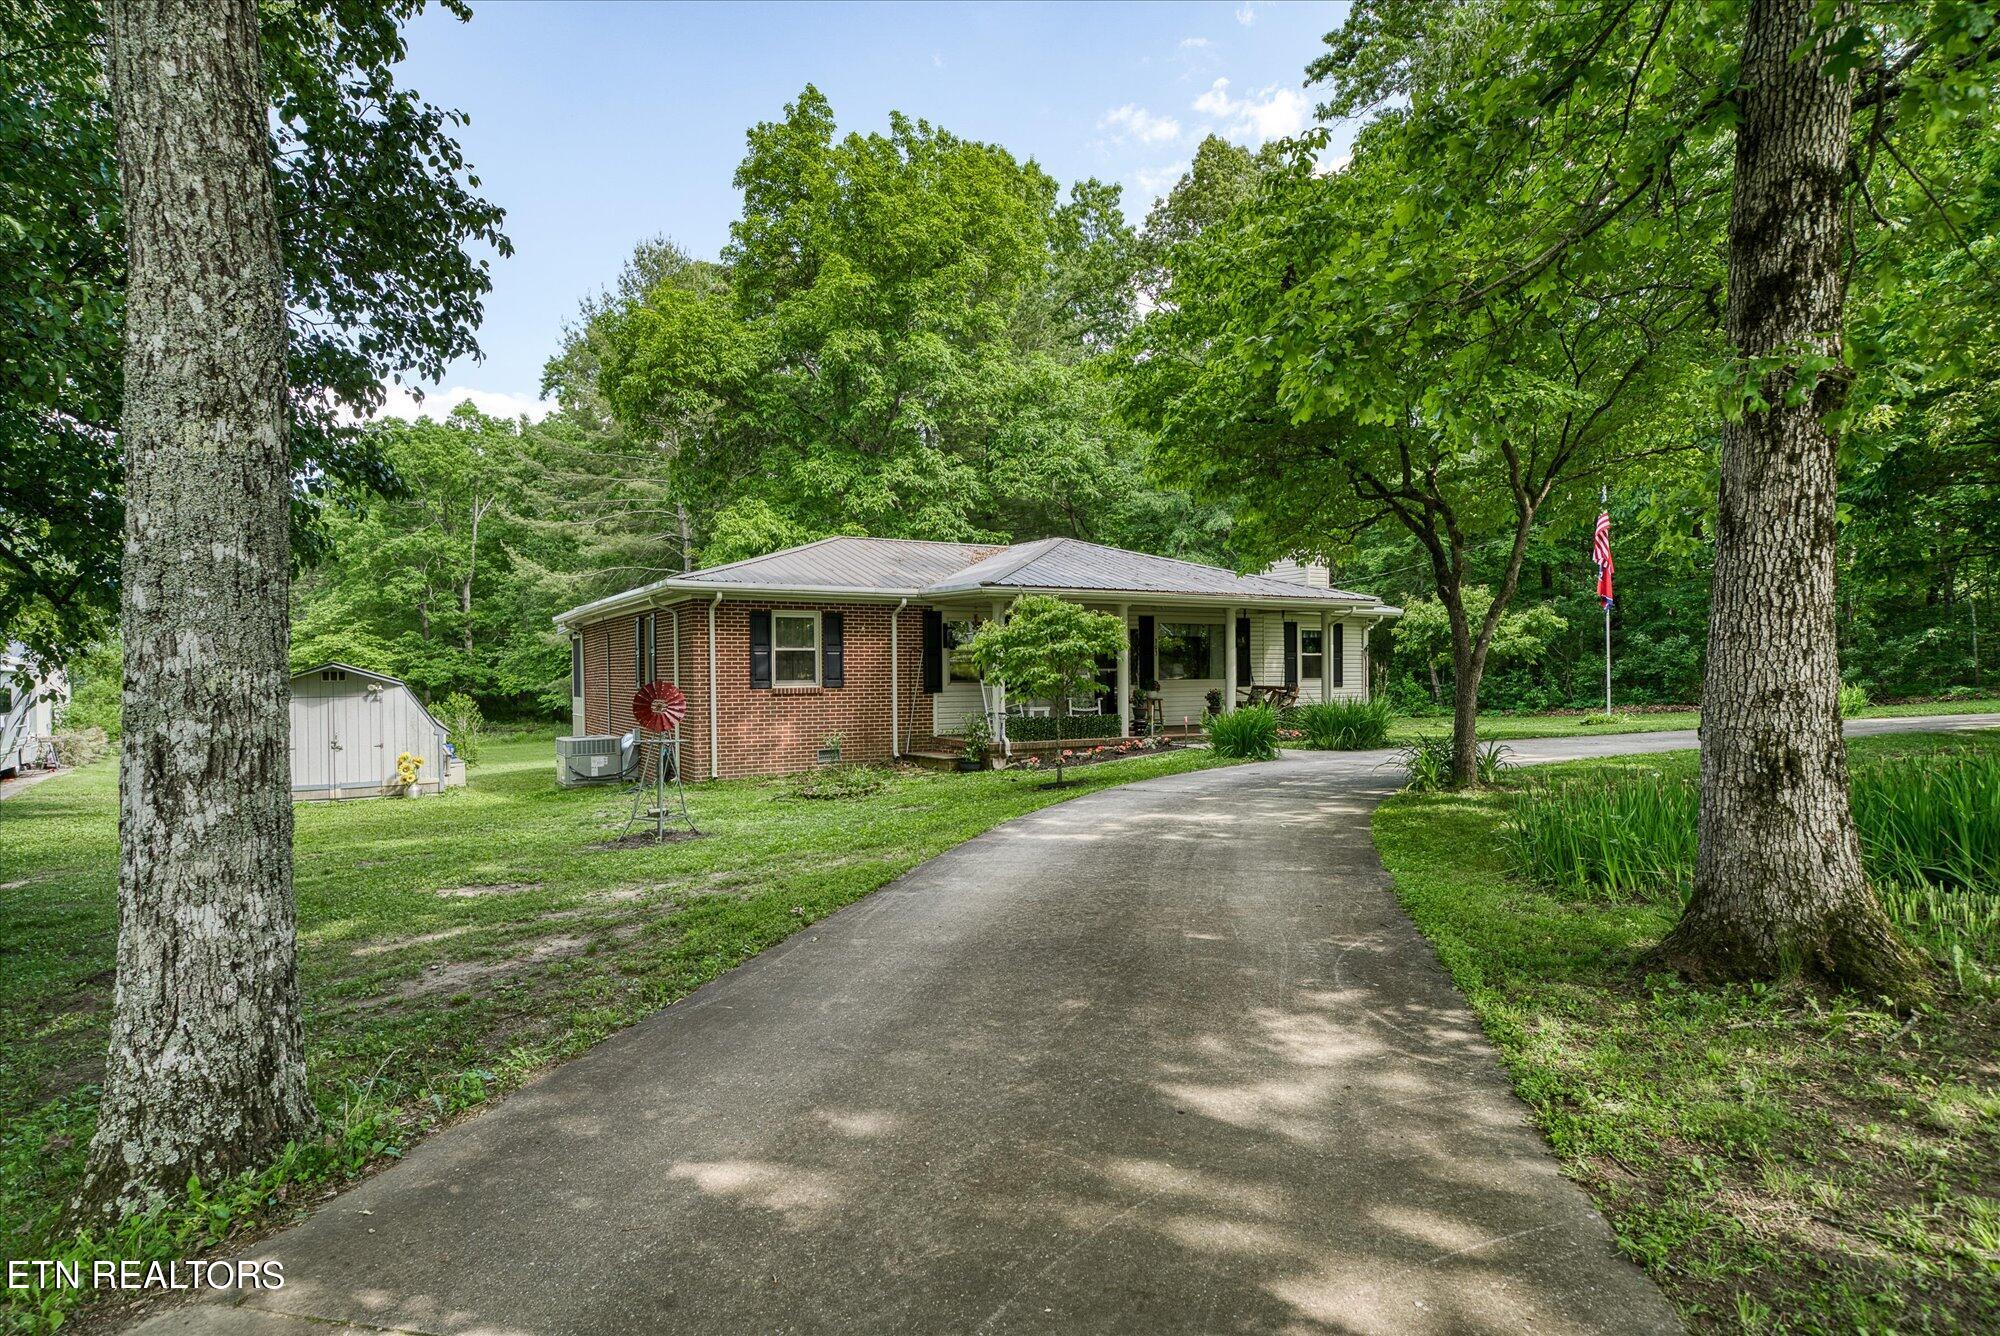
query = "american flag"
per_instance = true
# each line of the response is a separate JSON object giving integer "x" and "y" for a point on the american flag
{"x": 1600, "y": 552}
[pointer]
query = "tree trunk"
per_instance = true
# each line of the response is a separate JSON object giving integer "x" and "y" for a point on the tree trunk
{"x": 1468, "y": 666}
{"x": 206, "y": 1071}
{"x": 1779, "y": 888}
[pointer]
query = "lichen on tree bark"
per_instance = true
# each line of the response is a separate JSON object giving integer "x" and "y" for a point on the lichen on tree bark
{"x": 1779, "y": 887}
{"x": 206, "y": 1072}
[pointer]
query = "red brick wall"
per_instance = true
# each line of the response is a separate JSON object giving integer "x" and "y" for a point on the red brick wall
{"x": 596, "y": 695}
{"x": 777, "y": 730}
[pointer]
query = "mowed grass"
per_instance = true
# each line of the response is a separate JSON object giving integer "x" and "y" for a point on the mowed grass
{"x": 1494, "y": 727}
{"x": 449, "y": 946}
{"x": 1779, "y": 1159}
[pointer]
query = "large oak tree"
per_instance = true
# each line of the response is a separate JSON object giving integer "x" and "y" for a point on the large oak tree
{"x": 207, "y": 1063}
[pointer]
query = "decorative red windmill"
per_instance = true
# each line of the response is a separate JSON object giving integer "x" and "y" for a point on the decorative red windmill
{"x": 658, "y": 708}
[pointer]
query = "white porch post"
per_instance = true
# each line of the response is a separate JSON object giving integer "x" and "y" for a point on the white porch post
{"x": 1125, "y": 671}
{"x": 1325, "y": 656}
{"x": 999, "y": 723}
{"x": 1228, "y": 661}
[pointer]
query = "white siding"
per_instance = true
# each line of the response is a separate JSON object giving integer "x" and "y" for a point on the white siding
{"x": 958, "y": 702}
{"x": 1354, "y": 675}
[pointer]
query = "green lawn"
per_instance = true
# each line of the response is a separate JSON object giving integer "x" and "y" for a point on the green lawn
{"x": 1780, "y": 1160}
{"x": 449, "y": 945}
{"x": 1512, "y": 727}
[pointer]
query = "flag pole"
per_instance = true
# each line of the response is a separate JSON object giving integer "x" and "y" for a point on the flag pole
{"x": 1604, "y": 498}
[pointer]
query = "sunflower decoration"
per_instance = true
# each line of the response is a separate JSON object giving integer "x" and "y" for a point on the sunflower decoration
{"x": 407, "y": 767}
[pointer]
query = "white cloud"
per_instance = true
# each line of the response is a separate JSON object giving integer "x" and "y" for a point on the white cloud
{"x": 1194, "y": 43}
{"x": 1247, "y": 15}
{"x": 400, "y": 403}
{"x": 1134, "y": 122}
{"x": 1275, "y": 112}
{"x": 1153, "y": 182}
{"x": 937, "y": 60}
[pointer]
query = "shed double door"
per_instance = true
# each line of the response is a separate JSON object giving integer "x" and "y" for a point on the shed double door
{"x": 359, "y": 741}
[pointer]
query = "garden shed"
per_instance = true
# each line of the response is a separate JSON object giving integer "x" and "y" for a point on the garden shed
{"x": 348, "y": 727}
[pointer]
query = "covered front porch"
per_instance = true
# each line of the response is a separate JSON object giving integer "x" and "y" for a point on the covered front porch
{"x": 1181, "y": 661}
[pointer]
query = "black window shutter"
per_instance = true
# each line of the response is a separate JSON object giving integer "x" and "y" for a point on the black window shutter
{"x": 1291, "y": 654}
{"x": 1142, "y": 650}
{"x": 933, "y": 651}
{"x": 639, "y": 650}
{"x": 760, "y": 649}
{"x": 832, "y": 652}
{"x": 1243, "y": 674}
{"x": 1339, "y": 655}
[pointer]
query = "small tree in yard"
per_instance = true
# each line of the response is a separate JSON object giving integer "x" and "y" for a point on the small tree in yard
{"x": 1050, "y": 649}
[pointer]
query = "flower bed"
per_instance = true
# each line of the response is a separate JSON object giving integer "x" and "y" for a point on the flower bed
{"x": 1085, "y": 753}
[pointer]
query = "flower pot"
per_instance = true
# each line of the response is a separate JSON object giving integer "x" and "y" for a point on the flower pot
{"x": 966, "y": 765}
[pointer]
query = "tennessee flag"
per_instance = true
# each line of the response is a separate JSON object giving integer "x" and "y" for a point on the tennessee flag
{"x": 1600, "y": 552}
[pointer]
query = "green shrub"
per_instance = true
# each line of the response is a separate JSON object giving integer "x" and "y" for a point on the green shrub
{"x": 1853, "y": 700}
{"x": 463, "y": 724}
{"x": 1428, "y": 763}
{"x": 1250, "y": 733}
{"x": 1346, "y": 725}
{"x": 1042, "y": 728}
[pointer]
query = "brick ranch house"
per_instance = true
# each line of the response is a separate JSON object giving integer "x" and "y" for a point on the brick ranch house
{"x": 864, "y": 637}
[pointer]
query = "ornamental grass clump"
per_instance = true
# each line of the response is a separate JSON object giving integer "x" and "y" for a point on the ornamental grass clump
{"x": 1929, "y": 829}
{"x": 1250, "y": 733}
{"x": 1344, "y": 725}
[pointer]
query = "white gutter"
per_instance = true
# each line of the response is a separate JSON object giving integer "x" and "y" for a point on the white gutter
{"x": 895, "y": 687}
{"x": 714, "y": 733}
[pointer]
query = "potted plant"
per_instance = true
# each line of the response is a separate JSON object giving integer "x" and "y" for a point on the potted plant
{"x": 829, "y": 749}
{"x": 1214, "y": 699}
{"x": 978, "y": 737}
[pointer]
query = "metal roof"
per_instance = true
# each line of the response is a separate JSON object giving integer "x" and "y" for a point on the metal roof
{"x": 890, "y": 568}
{"x": 1070, "y": 563}
{"x": 847, "y": 563}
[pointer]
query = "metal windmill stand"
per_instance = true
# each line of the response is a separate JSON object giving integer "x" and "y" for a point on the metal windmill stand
{"x": 669, "y": 807}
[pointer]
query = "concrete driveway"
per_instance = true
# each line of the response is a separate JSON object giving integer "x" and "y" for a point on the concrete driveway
{"x": 1167, "y": 1058}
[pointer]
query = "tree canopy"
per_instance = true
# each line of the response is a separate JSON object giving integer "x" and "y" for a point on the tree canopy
{"x": 380, "y": 220}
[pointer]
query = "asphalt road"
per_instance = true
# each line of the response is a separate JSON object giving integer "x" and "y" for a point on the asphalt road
{"x": 1166, "y": 1058}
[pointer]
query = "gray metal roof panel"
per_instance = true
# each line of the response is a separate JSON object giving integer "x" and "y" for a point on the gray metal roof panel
{"x": 1070, "y": 563}
{"x": 847, "y": 563}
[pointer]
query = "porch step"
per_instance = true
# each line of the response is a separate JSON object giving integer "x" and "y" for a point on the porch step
{"x": 933, "y": 760}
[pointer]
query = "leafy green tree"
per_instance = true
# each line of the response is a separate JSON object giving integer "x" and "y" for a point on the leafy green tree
{"x": 1423, "y": 635}
{"x": 903, "y": 339}
{"x": 1048, "y": 649}
{"x": 379, "y": 215}
{"x": 1322, "y": 360}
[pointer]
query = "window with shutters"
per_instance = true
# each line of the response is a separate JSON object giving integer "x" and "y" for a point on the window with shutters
{"x": 795, "y": 649}
{"x": 1312, "y": 658}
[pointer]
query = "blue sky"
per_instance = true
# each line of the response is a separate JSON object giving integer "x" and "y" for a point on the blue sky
{"x": 596, "y": 125}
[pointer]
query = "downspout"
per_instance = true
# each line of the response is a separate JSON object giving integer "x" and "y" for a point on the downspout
{"x": 895, "y": 679}
{"x": 714, "y": 733}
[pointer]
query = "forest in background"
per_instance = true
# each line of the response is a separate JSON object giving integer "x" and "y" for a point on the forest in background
{"x": 915, "y": 335}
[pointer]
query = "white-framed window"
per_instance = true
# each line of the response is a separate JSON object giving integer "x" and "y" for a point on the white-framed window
{"x": 958, "y": 665}
{"x": 1312, "y": 655}
{"x": 1186, "y": 650}
{"x": 795, "y": 649}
